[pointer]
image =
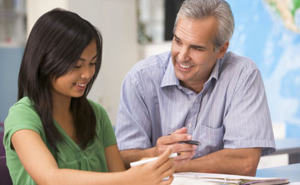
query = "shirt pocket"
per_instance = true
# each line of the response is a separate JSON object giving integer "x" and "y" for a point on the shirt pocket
{"x": 211, "y": 140}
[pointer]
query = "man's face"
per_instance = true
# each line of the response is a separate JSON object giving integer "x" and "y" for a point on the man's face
{"x": 193, "y": 51}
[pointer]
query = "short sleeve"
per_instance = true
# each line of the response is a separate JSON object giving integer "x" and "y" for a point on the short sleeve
{"x": 21, "y": 116}
{"x": 105, "y": 129}
{"x": 247, "y": 121}
{"x": 133, "y": 128}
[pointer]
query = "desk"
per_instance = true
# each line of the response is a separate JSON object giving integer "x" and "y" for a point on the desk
{"x": 290, "y": 172}
{"x": 289, "y": 146}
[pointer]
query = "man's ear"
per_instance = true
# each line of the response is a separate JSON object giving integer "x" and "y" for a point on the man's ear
{"x": 223, "y": 49}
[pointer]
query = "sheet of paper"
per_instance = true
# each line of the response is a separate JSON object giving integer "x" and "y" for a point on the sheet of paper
{"x": 218, "y": 176}
{"x": 294, "y": 183}
{"x": 212, "y": 179}
{"x": 191, "y": 181}
{"x": 185, "y": 181}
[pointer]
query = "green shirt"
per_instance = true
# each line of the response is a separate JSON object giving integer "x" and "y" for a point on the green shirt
{"x": 22, "y": 115}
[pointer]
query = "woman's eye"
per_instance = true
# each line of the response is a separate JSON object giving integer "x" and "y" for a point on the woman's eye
{"x": 92, "y": 64}
{"x": 77, "y": 67}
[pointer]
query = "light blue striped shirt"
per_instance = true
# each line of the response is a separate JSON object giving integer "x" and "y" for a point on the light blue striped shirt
{"x": 230, "y": 112}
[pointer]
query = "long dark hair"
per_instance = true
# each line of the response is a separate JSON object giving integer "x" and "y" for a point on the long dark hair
{"x": 54, "y": 46}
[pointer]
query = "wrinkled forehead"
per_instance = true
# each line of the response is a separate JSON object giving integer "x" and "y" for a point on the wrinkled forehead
{"x": 197, "y": 31}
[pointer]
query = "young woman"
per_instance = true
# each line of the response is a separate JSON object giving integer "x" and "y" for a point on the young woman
{"x": 54, "y": 134}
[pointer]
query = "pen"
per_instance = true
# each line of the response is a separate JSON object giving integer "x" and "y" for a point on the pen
{"x": 192, "y": 142}
{"x": 150, "y": 160}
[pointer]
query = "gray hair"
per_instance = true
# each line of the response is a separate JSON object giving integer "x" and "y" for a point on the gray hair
{"x": 200, "y": 9}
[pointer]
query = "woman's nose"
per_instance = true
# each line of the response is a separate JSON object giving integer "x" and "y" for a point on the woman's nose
{"x": 88, "y": 73}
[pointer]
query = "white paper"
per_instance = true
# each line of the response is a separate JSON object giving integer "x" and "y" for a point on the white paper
{"x": 190, "y": 178}
{"x": 294, "y": 183}
{"x": 216, "y": 175}
{"x": 188, "y": 181}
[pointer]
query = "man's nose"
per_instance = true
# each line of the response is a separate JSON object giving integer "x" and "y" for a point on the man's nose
{"x": 183, "y": 55}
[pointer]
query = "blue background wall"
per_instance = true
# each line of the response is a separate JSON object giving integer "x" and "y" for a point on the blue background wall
{"x": 10, "y": 60}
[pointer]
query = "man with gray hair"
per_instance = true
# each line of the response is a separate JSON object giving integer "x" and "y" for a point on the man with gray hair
{"x": 200, "y": 92}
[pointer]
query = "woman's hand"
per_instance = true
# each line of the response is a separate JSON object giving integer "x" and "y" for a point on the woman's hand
{"x": 159, "y": 171}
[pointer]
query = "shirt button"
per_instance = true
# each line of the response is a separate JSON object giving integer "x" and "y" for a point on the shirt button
{"x": 190, "y": 125}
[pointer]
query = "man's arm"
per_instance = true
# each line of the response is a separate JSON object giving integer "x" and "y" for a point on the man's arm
{"x": 132, "y": 155}
{"x": 226, "y": 161}
{"x": 186, "y": 151}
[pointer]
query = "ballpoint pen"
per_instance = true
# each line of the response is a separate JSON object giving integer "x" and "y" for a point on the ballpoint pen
{"x": 150, "y": 160}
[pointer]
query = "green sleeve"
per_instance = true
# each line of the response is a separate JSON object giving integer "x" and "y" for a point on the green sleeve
{"x": 22, "y": 115}
{"x": 104, "y": 127}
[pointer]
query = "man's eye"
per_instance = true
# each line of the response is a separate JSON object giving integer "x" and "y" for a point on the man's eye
{"x": 198, "y": 48}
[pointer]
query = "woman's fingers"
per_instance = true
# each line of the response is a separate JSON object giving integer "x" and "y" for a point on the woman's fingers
{"x": 167, "y": 181}
{"x": 166, "y": 166}
{"x": 162, "y": 158}
{"x": 168, "y": 172}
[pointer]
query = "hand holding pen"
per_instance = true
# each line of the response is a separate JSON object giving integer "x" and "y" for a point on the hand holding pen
{"x": 157, "y": 170}
{"x": 181, "y": 143}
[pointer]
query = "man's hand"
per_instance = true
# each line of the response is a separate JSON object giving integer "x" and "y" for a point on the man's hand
{"x": 186, "y": 151}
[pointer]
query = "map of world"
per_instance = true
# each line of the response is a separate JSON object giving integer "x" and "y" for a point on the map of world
{"x": 268, "y": 32}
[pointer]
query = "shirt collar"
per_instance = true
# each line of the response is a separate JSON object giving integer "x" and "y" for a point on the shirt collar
{"x": 216, "y": 70}
{"x": 170, "y": 78}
